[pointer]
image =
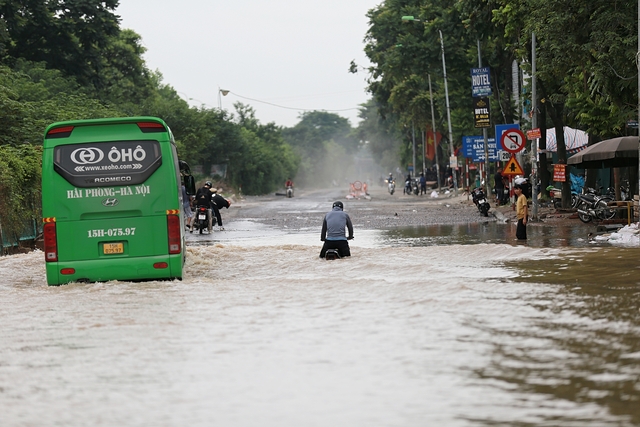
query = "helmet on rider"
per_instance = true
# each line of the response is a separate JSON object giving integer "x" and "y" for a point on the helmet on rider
{"x": 208, "y": 184}
{"x": 338, "y": 204}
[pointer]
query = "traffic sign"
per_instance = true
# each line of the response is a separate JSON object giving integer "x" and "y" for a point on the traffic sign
{"x": 512, "y": 167}
{"x": 513, "y": 140}
{"x": 473, "y": 148}
{"x": 504, "y": 156}
{"x": 534, "y": 134}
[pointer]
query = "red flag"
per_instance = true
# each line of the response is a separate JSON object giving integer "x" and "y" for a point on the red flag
{"x": 430, "y": 149}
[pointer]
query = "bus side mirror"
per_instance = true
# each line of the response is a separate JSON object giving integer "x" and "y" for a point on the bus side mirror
{"x": 190, "y": 185}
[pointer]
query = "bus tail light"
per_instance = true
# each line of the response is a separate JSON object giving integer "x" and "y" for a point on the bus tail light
{"x": 61, "y": 132}
{"x": 50, "y": 242}
{"x": 173, "y": 229}
{"x": 150, "y": 127}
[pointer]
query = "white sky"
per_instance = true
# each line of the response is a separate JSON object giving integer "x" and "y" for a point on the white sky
{"x": 293, "y": 53}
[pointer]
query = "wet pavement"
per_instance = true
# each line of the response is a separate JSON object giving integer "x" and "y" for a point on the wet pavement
{"x": 438, "y": 318}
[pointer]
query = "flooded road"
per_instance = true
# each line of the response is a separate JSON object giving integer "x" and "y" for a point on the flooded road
{"x": 444, "y": 325}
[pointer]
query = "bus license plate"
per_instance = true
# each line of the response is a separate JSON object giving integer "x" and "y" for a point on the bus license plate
{"x": 113, "y": 248}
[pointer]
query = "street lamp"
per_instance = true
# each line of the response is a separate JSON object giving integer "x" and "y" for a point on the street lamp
{"x": 446, "y": 92}
{"x": 224, "y": 92}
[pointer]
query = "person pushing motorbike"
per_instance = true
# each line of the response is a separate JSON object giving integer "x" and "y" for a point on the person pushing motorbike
{"x": 333, "y": 231}
{"x": 218, "y": 202}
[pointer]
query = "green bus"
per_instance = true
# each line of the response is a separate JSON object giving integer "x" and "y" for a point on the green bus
{"x": 112, "y": 201}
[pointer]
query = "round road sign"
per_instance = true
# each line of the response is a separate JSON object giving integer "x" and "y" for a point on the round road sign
{"x": 512, "y": 140}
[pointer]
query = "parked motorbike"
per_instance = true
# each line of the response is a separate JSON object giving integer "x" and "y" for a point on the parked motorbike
{"x": 525, "y": 184}
{"x": 392, "y": 185}
{"x": 480, "y": 200}
{"x": 415, "y": 188}
{"x": 201, "y": 220}
{"x": 592, "y": 206}
{"x": 624, "y": 193}
{"x": 407, "y": 187}
{"x": 502, "y": 196}
{"x": 556, "y": 194}
{"x": 289, "y": 191}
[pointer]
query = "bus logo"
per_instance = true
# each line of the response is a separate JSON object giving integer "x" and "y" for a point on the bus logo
{"x": 110, "y": 202}
{"x": 87, "y": 156}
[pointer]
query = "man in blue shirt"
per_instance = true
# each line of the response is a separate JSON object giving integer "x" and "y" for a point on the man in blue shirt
{"x": 333, "y": 231}
{"x": 423, "y": 184}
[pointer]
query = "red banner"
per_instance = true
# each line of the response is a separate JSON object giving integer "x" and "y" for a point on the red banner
{"x": 559, "y": 174}
{"x": 430, "y": 149}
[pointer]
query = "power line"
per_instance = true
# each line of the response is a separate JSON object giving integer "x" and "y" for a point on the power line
{"x": 289, "y": 108}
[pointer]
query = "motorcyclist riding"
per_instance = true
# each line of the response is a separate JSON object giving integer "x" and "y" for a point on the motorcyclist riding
{"x": 333, "y": 231}
{"x": 203, "y": 198}
{"x": 288, "y": 185}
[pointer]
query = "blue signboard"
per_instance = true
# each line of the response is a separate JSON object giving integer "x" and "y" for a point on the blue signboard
{"x": 500, "y": 129}
{"x": 473, "y": 148}
{"x": 480, "y": 83}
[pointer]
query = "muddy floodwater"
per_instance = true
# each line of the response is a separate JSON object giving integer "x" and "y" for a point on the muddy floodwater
{"x": 438, "y": 325}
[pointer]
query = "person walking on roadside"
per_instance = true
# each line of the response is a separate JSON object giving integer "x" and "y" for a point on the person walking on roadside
{"x": 522, "y": 213}
{"x": 186, "y": 207}
{"x": 333, "y": 231}
{"x": 423, "y": 184}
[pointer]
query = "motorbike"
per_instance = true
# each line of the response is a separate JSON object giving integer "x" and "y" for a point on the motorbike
{"x": 592, "y": 206}
{"x": 392, "y": 185}
{"x": 201, "y": 220}
{"x": 332, "y": 254}
{"x": 289, "y": 191}
{"x": 415, "y": 188}
{"x": 556, "y": 194}
{"x": 480, "y": 200}
{"x": 624, "y": 193}
{"x": 407, "y": 187}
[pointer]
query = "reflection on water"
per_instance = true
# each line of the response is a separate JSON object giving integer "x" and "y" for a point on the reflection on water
{"x": 582, "y": 342}
{"x": 488, "y": 232}
{"x": 450, "y": 327}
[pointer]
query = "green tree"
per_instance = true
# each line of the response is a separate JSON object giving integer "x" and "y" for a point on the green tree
{"x": 125, "y": 79}
{"x": 20, "y": 175}
{"x": 404, "y": 54}
{"x": 68, "y": 35}
{"x": 325, "y": 143}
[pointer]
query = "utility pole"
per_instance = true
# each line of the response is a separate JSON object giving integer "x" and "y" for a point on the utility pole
{"x": 413, "y": 148}
{"x": 433, "y": 128}
{"x": 534, "y": 124}
{"x": 487, "y": 187}
{"x": 446, "y": 93}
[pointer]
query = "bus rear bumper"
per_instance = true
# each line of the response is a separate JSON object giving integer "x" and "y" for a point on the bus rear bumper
{"x": 123, "y": 269}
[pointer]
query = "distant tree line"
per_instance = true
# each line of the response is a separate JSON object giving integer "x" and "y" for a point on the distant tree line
{"x": 70, "y": 59}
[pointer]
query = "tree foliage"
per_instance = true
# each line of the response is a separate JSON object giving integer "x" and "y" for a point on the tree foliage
{"x": 586, "y": 66}
{"x": 69, "y": 59}
{"x": 20, "y": 171}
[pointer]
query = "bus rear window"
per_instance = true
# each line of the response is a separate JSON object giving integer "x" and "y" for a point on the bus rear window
{"x": 107, "y": 163}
